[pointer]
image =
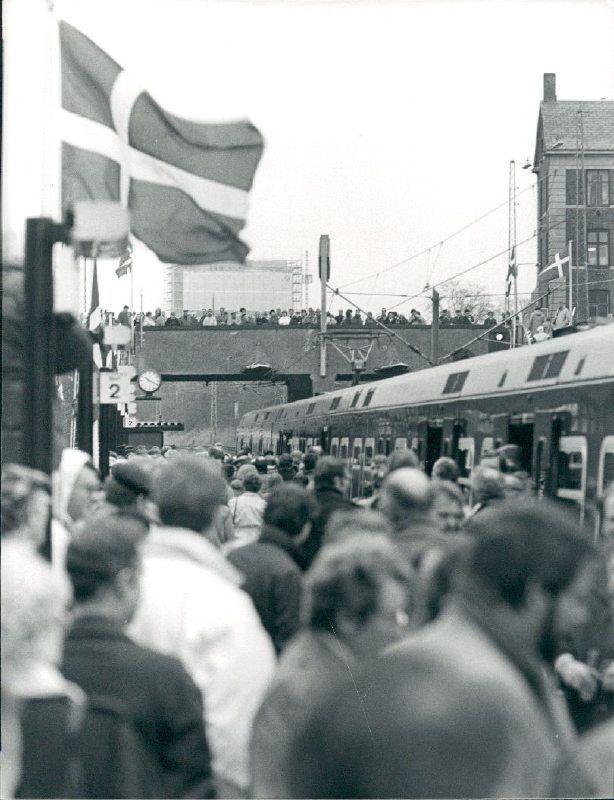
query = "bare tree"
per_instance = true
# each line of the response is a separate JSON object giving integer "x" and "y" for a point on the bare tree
{"x": 456, "y": 295}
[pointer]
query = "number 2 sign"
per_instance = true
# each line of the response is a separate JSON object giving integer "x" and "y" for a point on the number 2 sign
{"x": 114, "y": 387}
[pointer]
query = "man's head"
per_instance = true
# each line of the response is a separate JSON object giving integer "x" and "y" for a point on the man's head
{"x": 529, "y": 560}
{"x": 128, "y": 486}
{"x": 445, "y": 469}
{"x": 402, "y": 458}
{"x": 286, "y": 466}
{"x": 188, "y": 493}
{"x": 415, "y": 729}
{"x": 407, "y": 496}
{"x": 449, "y": 505}
{"x": 103, "y": 565}
{"x": 290, "y": 508}
{"x": 252, "y": 482}
{"x": 309, "y": 462}
{"x": 331, "y": 473}
{"x": 357, "y": 589}
{"x": 487, "y": 485}
{"x": 26, "y": 497}
{"x": 355, "y": 522}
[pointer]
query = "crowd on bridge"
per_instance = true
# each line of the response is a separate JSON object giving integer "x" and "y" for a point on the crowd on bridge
{"x": 209, "y": 625}
{"x": 538, "y": 325}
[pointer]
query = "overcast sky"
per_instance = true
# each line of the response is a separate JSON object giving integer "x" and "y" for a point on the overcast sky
{"x": 388, "y": 125}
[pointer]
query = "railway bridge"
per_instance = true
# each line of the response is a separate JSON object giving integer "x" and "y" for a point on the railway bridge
{"x": 211, "y": 376}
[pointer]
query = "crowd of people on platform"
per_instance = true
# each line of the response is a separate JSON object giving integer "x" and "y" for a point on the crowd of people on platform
{"x": 208, "y": 625}
{"x": 537, "y": 326}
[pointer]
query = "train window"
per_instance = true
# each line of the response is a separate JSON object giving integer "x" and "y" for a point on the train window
{"x": 344, "y": 447}
{"x": 502, "y": 379}
{"x": 310, "y": 408}
{"x": 579, "y": 366}
{"x": 606, "y": 464}
{"x": 354, "y": 402}
{"x": 334, "y": 447}
{"x": 335, "y": 402}
{"x": 369, "y": 445}
{"x": 357, "y": 450}
{"x": 549, "y": 366}
{"x": 400, "y": 443}
{"x": 570, "y": 470}
{"x": 267, "y": 415}
{"x": 256, "y": 417}
{"x": 455, "y": 382}
{"x": 368, "y": 398}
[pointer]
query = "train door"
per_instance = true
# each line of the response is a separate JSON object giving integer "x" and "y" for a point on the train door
{"x": 357, "y": 464}
{"x": 572, "y": 472}
{"x": 605, "y": 473}
{"x": 520, "y": 433}
{"x": 325, "y": 440}
{"x": 431, "y": 440}
{"x": 462, "y": 448}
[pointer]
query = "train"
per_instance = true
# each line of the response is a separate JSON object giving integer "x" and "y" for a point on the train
{"x": 554, "y": 400}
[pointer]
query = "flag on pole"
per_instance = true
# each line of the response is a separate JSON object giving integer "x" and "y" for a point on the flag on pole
{"x": 555, "y": 270}
{"x": 125, "y": 262}
{"x": 94, "y": 315}
{"x": 512, "y": 271}
{"x": 185, "y": 183}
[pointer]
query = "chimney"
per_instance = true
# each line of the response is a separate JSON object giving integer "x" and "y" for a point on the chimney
{"x": 549, "y": 87}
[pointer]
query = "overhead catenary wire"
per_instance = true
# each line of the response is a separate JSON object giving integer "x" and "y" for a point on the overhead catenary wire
{"x": 475, "y": 266}
{"x": 441, "y": 242}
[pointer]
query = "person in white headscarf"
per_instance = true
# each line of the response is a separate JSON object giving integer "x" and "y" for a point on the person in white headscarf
{"x": 77, "y": 491}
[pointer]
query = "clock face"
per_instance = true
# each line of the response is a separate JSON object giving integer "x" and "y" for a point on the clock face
{"x": 149, "y": 381}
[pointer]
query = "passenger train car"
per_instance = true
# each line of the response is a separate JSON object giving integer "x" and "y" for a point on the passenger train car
{"x": 555, "y": 400}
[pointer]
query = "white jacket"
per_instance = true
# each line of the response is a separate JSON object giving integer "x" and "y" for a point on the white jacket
{"x": 191, "y": 607}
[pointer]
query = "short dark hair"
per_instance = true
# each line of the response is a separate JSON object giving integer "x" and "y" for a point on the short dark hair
{"x": 188, "y": 494}
{"x": 445, "y": 469}
{"x": 310, "y": 461}
{"x": 100, "y": 549}
{"x": 252, "y": 482}
{"x": 348, "y": 577}
{"x": 327, "y": 469}
{"x": 288, "y": 508}
{"x": 515, "y": 544}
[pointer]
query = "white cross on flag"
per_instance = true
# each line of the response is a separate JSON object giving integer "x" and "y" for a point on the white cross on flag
{"x": 185, "y": 183}
{"x": 558, "y": 266}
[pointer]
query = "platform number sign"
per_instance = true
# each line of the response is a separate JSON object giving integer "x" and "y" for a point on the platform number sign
{"x": 114, "y": 388}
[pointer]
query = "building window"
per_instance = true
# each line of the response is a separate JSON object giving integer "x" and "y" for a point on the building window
{"x": 597, "y": 187}
{"x": 598, "y": 248}
{"x": 598, "y": 302}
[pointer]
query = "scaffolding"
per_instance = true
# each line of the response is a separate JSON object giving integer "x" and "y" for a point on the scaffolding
{"x": 297, "y": 284}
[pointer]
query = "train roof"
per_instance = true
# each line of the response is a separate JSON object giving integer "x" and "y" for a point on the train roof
{"x": 577, "y": 358}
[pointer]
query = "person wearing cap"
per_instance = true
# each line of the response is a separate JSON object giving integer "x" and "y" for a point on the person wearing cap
{"x": 161, "y": 700}
{"x": 128, "y": 485}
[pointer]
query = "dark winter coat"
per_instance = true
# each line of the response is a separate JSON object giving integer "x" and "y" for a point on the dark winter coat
{"x": 161, "y": 700}
{"x": 273, "y": 580}
{"x": 328, "y": 501}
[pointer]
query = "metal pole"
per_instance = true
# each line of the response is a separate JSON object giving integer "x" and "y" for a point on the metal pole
{"x": 104, "y": 431}
{"x": 569, "y": 246}
{"x": 324, "y": 269}
{"x": 515, "y": 275}
{"x": 142, "y": 318}
{"x": 85, "y": 409}
{"x": 39, "y": 345}
{"x": 435, "y": 329}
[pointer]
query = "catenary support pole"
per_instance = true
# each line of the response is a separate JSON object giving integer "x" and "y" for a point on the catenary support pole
{"x": 435, "y": 329}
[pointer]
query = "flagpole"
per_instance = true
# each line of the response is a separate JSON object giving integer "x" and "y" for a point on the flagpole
{"x": 569, "y": 246}
{"x": 515, "y": 273}
{"x": 132, "y": 305}
{"x": 142, "y": 318}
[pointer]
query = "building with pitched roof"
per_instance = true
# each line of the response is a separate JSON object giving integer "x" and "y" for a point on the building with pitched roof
{"x": 574, "y": 164}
